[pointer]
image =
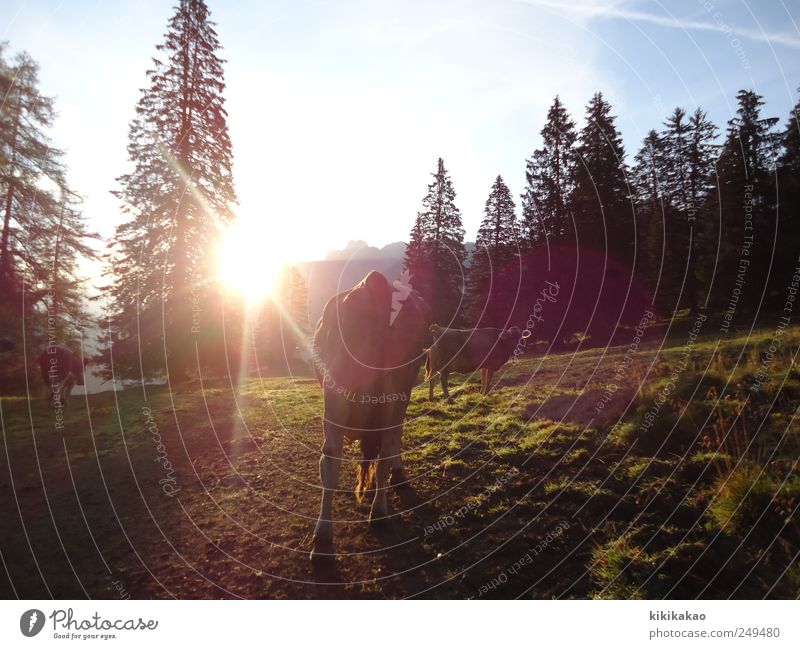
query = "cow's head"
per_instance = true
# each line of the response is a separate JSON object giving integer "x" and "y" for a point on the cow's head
{"x": 410, "y": 334}
{"x": 370, "y": 300}
{"x": 509, "y": 338}
{"x": 356, "y": 328}
{"x": 512, "y": 333}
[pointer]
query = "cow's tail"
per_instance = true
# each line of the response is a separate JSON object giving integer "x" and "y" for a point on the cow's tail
{"x": 428, "y": 365}
{"x": 365, "y": 472}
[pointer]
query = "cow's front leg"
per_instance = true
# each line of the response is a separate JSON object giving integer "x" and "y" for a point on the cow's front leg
{"x": 489, "y": 374}
{"x": 445, "y": 377}
{"x": 329, "y": 465}
{"x": 380, "y": 504}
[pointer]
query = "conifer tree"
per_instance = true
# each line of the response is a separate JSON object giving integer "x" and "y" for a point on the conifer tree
{"x": 44, "y": 234}
{"x": 177, "y": 195}
{"x": 29, "y": 163}
{"x": 549, "y": 174}
{"x": 789, "y": 160}
{"x": 789, "y": 207}
{"x": 655, "y": 260}
{"x": 294, "y": 295}
{"x": 600, "y": 199}
{"x": 687, "y": 164}
{"x": 435, "y": 256}
{"x": 741, "y": 210}
{"x": 494, "y": 274}
{"x": 282, "y": 325}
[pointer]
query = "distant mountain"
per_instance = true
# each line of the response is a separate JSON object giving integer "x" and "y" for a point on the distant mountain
{"x": 357, "y": 250}
{"x": 342, "y": 269}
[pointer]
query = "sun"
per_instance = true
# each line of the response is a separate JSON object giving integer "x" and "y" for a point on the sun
{"x": 249, "y": 263}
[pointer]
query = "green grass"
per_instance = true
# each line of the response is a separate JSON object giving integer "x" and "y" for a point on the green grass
{"x": 687, "y": 507}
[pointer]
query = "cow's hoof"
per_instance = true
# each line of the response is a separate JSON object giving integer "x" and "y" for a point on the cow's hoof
{"x": 399, "y": 478}
{"x": 321, "y": 559}
{"x": 323, "y": 552}
{"x": 379, "y": 520}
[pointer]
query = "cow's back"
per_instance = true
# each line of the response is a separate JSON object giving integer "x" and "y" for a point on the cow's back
{"x": 465, "y": 350}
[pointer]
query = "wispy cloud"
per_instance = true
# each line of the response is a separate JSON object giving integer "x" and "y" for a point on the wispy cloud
{"x": 586, "y": 12}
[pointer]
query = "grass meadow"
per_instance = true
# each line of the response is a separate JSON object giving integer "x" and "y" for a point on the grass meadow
{"x": 591, "y": 474}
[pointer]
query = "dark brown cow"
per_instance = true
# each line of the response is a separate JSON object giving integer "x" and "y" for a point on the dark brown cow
{"x": 367, "y": 368}
{"x": 61, "y": 370}
{"x": 466, "y": 351}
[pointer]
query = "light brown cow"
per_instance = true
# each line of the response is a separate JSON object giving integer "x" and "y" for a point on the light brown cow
{"x": 466, "y": 351}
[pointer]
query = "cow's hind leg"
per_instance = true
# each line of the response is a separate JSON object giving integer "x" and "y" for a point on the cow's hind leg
{"x": 380, "y": 504}
{"x": 329, "y": 465}
{"x": 445, "y": 377}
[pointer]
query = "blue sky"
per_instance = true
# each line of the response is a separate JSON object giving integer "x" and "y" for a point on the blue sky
{"x": 339, "y": 110}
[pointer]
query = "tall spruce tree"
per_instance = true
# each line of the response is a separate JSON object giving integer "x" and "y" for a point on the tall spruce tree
{"x": 655, "y": 261}
{"x": 417, "y": 255}
{"x": 294, "y": 293}
{"x": 435, "y": 256}
{"x": 177, "y": 194}
{"x": 789, "y": 208}
{"x": 600, "y": 199}
{"x": 30, "y": 164}
{"x": 44, "y": 234}
{"x": 549, "y": 174}
{"x": 494, "y": 273}
{"x": 789, "y": 160}
{"x": 741, "y": 210}
{"x": 687, "y": 164}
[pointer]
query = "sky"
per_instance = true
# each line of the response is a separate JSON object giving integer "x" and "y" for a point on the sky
{"x": 338, "y": 110}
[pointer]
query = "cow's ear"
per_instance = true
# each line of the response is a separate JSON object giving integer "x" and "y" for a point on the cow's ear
{"x": 372, "y": 296}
